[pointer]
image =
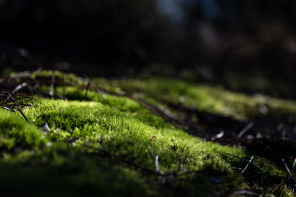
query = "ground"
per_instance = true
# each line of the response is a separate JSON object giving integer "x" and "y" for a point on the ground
{"x": 65, "y": 135}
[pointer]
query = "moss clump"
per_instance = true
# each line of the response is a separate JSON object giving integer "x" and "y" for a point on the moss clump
{"x": 129, "y": 134}
{"x": 202, "y": 97}
{"x": 113, "y": 146}
{"x": 17, "y": 133}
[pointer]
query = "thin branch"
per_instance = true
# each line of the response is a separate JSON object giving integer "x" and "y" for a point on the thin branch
{"x": 15, "y": 99}
{"x": 102, "y": 94}
{"x": 18, "y": 107}
{"x": 87, "y": 86}
{"x": 19, "y": 87}
{"x": 51, "y": 92}
{"x": 187, "y": 126}
{"x": 283, "y": 160}
{"x": 151, "y": 154}
{"x": 266, "y": 148}
{"x": 247, "y": 128}
{"x": 292, "y": 169}
{"x": 293, "y": 165}
{"x": 157, "y": 169}
{"x": 5, "y": 107}
{"x": 245, "y": 160}
{"x": 250, "y": 161}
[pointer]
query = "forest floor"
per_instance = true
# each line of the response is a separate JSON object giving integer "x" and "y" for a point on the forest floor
{"x": 151, "y": 136}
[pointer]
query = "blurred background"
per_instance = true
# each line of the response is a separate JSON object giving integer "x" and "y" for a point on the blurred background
{"x": 239, "y": 44}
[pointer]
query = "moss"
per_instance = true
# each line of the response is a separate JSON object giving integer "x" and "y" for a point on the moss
{"x": 101, "y": 128}
{"x": 59, "y": 76}
{"x": 126, "y": 134}
{"x": 204, "y": 98}
{"x": 107, "y": 145}
{"x": 17, "y": 133}
{"x": 84, "y": 177}
{"x": 282, "y": 190}
{"x": 94, "y": 122}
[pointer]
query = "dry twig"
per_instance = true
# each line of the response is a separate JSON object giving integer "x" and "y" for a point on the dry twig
{"x": 287, "y": 168}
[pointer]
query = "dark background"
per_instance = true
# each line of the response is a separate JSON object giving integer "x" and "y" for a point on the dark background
{"x": 210, "y": 39}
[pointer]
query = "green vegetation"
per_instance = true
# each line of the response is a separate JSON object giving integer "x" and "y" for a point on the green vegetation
{"x": 111, "y": 145}
{"x": 202, "y": 97}
{"x": 16, "y": 132}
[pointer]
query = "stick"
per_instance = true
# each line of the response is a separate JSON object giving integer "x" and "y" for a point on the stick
{"x": 52, "y": 84}
{"x": 245, "y": 160}
{"x": 19, "y": 87}
{"x": 102, "y": 95}
{"x": 294, "y": 165}
{"x": 248, "y": 164}
{"x": 266, "y": 148}
{"x": 87, "y": 87}
{"x": 283, "y": 160}
{"x": 247, "y": 128}
{"x": 17, "y": 99}
{"x": 157, "y": 169}
{"x": 18, "y": 107}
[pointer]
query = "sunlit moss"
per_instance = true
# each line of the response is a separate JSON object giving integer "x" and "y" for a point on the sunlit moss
{"x": 58, "y": 76}
{"x": 205, "y": 98}
{"x": 93, "y": 122}
{"x": 17, "y": 133}
{"x": 105, "y": 144}
{"x": 128, "y": 134}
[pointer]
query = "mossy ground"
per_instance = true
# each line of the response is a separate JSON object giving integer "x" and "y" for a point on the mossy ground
{"x": 111, "y": 145}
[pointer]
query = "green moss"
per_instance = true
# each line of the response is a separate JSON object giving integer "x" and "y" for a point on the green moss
{"x": 17, "y": 133}
{"x": 59, "y": 76}
{"x": 83, "y": 176}
{"x": 204, "y": 98}
{"x": 128, "y": 134}
{"x": 125, "y": 131}
{"x": 107, "y": 145}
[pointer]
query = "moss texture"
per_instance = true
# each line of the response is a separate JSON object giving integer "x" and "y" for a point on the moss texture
{"x": 111, "y": 145}
{"x": 203, "y": 97}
